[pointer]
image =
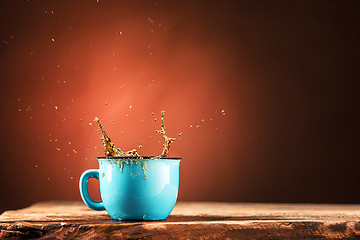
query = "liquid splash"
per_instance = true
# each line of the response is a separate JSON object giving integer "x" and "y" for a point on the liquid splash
{"x": 167, "y": 140}
{"x": 111, "y": 151}
{"x": 109, "y": 147}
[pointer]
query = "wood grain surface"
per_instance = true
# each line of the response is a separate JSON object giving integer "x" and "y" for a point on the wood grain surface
{"x": 189, "y": 220}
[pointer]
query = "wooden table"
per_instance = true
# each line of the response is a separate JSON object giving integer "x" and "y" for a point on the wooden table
{"x": 206, "y": 220}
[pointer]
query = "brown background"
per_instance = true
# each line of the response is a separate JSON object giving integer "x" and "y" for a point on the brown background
{"x": 285, "y": 73}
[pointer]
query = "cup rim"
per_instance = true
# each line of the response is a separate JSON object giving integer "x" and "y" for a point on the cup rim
{"x": 141, "y": 157}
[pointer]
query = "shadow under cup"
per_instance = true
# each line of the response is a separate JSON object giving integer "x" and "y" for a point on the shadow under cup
{"x": 134, "y": 188}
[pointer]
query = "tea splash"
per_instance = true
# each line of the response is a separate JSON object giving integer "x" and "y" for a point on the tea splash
{"x": 167, "y": 140}
{"x": 111, "y": 151}
{"x": 109, "y": 147}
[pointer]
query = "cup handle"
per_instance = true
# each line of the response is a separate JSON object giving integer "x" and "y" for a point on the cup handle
{"x": 91, "y": 173}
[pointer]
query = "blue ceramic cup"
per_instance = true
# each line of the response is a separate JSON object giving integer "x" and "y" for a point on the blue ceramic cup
{"x": 134, "y": 188}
